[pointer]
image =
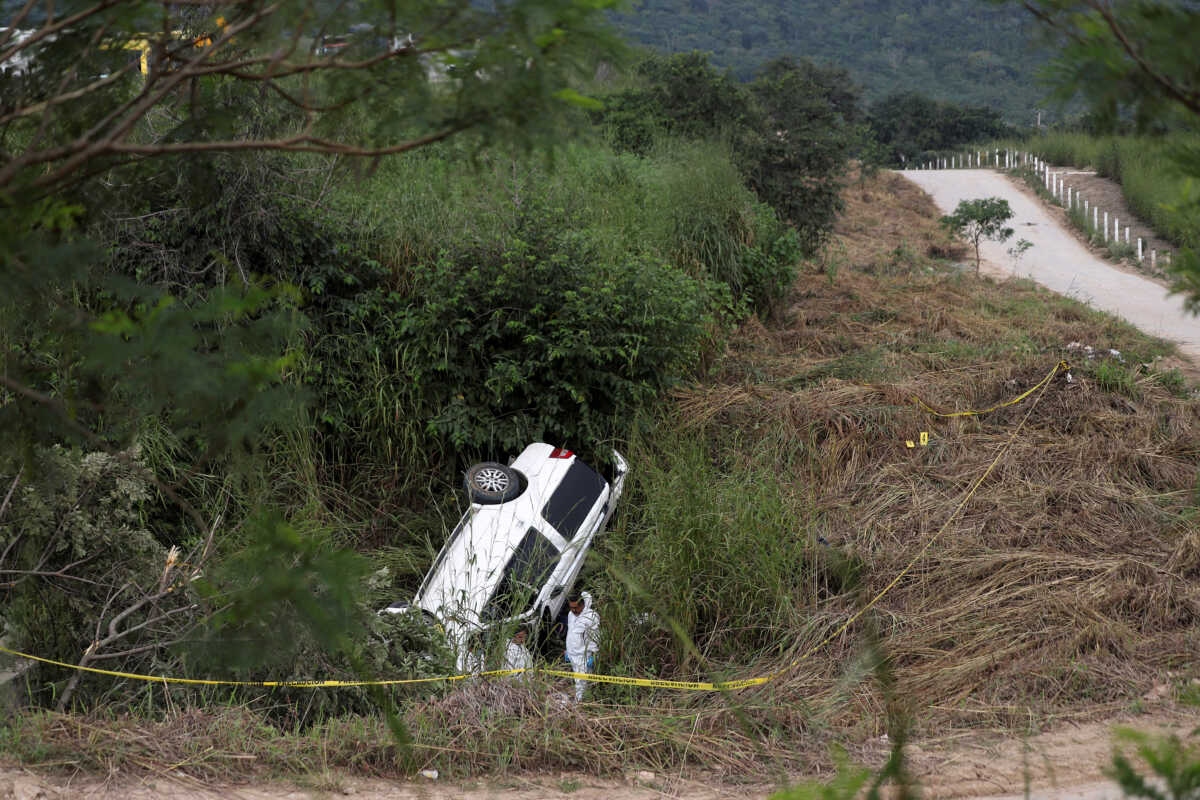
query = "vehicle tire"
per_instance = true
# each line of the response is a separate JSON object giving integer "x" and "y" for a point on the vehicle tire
{"x": 490, "y": 483}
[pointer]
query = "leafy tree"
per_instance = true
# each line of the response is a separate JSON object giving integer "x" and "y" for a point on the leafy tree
{"x": 788, "y": 131}
{"x": 960, "y": 50}
{"x": 800, "y": 151}
{"x": 684, "y": 96}
{"x": 1125, "y": 57}
{"x": 911, "y": 124}
{"x": 976, "y": 220}
{"x": 100, "y": 346}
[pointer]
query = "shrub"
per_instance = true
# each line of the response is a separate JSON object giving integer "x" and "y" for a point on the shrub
{"x": 74, "y": 546}
{"x": 538, "y": 338}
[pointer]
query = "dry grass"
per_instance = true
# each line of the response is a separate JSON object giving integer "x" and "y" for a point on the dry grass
{"x": 478, "y": 728}
{"x": 1068, "y": 586}
{"x": 1070, "y": 581}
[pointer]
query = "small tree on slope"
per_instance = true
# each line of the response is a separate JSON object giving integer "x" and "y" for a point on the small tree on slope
{"x": 976, "y": 220}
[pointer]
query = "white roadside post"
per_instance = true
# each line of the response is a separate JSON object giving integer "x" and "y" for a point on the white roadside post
{"x": 1153, "y": 258}
{"x": 1140, "y": 249}
{"x": 1116, "y": 229}
{"x": 1105, "y": 226}
{"x": 1126, "y": 234}
{"x": 1095, "y": 218}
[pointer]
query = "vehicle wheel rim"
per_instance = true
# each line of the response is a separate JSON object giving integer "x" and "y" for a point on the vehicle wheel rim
{"x": 491, "y": 480}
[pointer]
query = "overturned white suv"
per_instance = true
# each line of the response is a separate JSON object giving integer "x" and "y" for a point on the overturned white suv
{"x": 516, "y": 553}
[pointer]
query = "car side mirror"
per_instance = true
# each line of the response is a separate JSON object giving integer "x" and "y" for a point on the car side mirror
{"x": 556, "y": 591}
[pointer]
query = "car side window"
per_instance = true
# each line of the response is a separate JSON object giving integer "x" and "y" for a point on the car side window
{"x": 531, "y": 565}
{"x": 568, "y": 507}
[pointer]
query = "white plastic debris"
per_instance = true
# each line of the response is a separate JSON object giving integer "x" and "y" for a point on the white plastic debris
{"x": 432, "y": 774}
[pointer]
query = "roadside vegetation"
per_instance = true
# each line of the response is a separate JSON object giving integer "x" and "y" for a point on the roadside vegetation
{"x": 771, "y": 498}
{"x": 236, "y": 404}
{"x": 1144, "y": 165}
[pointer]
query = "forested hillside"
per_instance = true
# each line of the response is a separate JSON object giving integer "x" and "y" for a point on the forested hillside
{"x": 962, "y": 50}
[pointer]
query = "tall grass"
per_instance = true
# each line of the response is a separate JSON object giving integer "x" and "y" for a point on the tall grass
{"x": 685, "y": 203}
{"x": 718, "y": 564}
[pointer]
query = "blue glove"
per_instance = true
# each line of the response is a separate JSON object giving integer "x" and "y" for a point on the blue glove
{"x": 591, "y": 663}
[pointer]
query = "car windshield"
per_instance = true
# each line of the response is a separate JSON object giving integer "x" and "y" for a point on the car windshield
{"x": 568, "y": 507}
{"x": 532, "y": 563}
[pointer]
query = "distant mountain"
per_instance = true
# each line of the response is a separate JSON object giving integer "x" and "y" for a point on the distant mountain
{"x": 964, "y": 51}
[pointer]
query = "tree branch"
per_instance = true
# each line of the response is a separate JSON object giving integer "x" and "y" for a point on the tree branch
{"x": 51, "y": 27}
{"x": 59, "y": 407}
{"x": 8, "y": 496}
{"x": 1190, "y": 100}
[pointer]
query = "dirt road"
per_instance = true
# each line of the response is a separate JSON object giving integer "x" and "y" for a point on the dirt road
{"x": 1061, "y": 262}
{"x": 1065, "y": 763}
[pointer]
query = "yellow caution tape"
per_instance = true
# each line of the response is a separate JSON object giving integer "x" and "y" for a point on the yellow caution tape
{"x": 315, "y": 684}
{"x": 689, "y": 686}
{"x": 329, "y": 684}
{"x": 1062, "y": 366}
{"x": 621, "y": 680}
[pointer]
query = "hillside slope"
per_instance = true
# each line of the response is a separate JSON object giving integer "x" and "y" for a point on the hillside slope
{"x": 1071, "y": 580}
{"x": 1067, "y": 589}
{"x": 966, "y": 51}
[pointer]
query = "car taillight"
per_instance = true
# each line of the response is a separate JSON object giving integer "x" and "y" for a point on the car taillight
{"x": 559, "y": 452}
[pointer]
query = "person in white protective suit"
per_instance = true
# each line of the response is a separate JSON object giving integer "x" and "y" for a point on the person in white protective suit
{"x": 517, "y": 655}
{"x": 583, "y": 638}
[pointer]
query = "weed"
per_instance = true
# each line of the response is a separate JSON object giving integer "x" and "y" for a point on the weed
{"x": 1189, "y": 694}
{"x": 1116, "y": 378}
{"x": 1018, "y": 251}
{"x": 1174, "y": 765}
{"x": 1173, "y": 381}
